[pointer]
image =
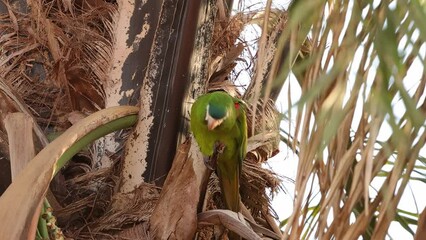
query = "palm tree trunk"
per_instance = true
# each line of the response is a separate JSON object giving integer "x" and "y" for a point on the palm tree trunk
{"x": 151, "y": 149}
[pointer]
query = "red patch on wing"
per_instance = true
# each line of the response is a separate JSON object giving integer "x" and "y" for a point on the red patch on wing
{"x": 237, "y": 105}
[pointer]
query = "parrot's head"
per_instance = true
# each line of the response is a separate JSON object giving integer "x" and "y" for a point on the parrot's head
{"x": 215, "y": 115}
{"x": 219, "y": 113}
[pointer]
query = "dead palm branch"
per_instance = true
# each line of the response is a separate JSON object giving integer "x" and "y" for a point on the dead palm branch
{"x": 357, "y": 87}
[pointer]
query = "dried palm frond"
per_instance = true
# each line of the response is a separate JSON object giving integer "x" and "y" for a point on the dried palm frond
{"x": 226, "y": 33}
{"x": 91, "y": 212}
{"x": 266, "y": 83}
{"x": 225, "y": 51}
{"x": 57, "y": 59}
{"x": 354, "y": 91}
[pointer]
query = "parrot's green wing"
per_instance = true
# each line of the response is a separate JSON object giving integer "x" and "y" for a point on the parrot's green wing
{"x": 229, "y": 167}
{"x": 242, "y": 123}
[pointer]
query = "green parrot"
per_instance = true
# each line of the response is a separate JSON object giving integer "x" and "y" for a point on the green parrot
{"x": 218, "y": 122}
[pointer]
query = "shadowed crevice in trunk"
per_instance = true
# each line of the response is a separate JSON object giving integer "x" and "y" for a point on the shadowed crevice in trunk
{"x": 175, "y": 37}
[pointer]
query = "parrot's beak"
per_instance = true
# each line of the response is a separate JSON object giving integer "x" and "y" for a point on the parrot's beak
{"x": 212, "y": 123}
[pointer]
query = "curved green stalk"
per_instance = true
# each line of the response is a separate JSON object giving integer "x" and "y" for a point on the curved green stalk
{"x": 42, "y": 232}
{"x": 21, "y": 201}
{"x": 101, "y": 131}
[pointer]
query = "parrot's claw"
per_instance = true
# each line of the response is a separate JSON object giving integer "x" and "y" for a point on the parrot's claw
{"x": 211, "y": 162}
{"x": 218, "y": 149}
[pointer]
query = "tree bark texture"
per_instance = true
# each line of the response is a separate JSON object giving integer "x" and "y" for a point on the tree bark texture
{"x": 135, "y": 24}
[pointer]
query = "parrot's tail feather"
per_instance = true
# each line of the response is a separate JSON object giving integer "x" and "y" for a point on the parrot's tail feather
{"x": 229, "y": 185}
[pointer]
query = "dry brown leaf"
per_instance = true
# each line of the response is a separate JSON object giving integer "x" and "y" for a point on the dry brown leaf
{"x": 19, "y": 127}
{"x": 18, "y": 53}
{"x": 175, "y": 216}
{"x": 13, "y": 17}
{"x": 231, "y": 220}
{"x": 75, "y": 116}
{"x": 421, "y": 226}
{"x": 68, "y": 6}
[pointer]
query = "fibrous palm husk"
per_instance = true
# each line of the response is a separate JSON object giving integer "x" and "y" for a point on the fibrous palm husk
{"x": 96, "y": 210}
{"x": 56, "y": 56}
